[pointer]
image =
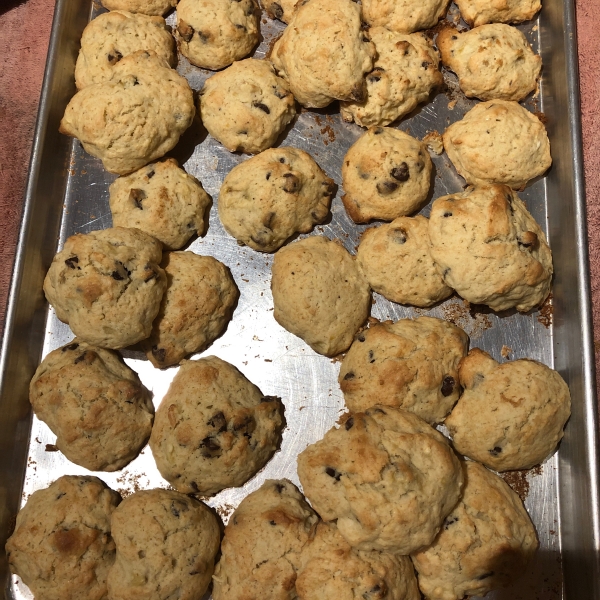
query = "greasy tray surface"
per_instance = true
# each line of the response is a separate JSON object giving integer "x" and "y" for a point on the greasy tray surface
{"x": 559, "y": 495}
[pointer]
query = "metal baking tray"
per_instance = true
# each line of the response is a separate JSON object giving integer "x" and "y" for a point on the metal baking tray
{"x": 67, "y": 192}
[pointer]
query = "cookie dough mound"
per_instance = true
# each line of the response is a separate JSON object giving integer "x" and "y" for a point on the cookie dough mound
{"x": 162, "y": 200}
{"x": 480, "y": 12}
{"x": 409, "y": 364}
{"x": 166, "y": 546}
{"x": 133, "y": 118}
{"x": 319, "y": 294}
{"x": 386, "y": 174}
{"x": 113, "y": 35}
{"x": 491, "y": 61}
{"x": 498, "y": 142}
{"x": 403, "y": 76}
{"x": 397, "y": 262}
{"x": 214, "y": 428}
{"x": 332, "y": 570}
{"x": 261, "y": 550}
{"x": 246, "y": 106}
{"x": 485, "y": 543}
{"x": 61, "y": 547}
{"x": 195, "y": 310}
{"x": 214, "y": 33}
{"x": 324, "y": 53}
{"x": 511, "y": 416}
{"x": 267, "y": 199}
{"x": 396, "y": 497}
{"x": 404, "y": 16}
{"x": 146, "y": 7}
{"x": 107, "y": 285}
{"x": 280, "y": 9}
{"x": 490, "y": 249}
{"x": 96, "y": 406}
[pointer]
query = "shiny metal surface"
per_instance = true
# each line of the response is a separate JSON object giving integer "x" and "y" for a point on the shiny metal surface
{"x": 68, "y": 193}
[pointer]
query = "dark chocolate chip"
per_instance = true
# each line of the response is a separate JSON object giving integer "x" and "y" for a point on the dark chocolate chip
{"x": 360, "y": 337}
{"x": 71, "y": 347}
{"x": 448, "y": 384}
{"x": 210, "y": 447}
{"x": 400, "y": 173}
{"x": 61, "y": 495}
{"x": 447, "y": 214}
{"x": 292, "y": 183}
{"x": 364, "y": 26}
{"x": 399, "y": 235}
{"x": 186, "y": 32}
{"x": 272, "y": 523}
{"x": 333, "y": 473}
{"x": 279, "y": 487}
{"x": 114, "y": 57}
{"x": 72, "y": 262}
{"x": 51, "y": 448}
{"x": 425, "y": 64}
{"x": 495, "y": 451}
{"x": 268, "y": 176}
{"x": 218, "y": 421}
{"x": 349, "y": 375}
{"x": 150, "y": 175}
{"x": 450, "y": 521}
{"x": 79, "y": 358}
{"x": 349, "y": 424}
{"x": 117, "y": 276}
{"x": 136, "y": 196}
{"x": 371, "y": 359}
{"x": 239, "y": 26}
{"x": 194, "y": 486}
{"x": 454, "y": 37}
{"x": 262, "y": 107}
{"x": 386, "y": 187}
{"x": 373, "y": 78}
{"x": 159, "y": 354}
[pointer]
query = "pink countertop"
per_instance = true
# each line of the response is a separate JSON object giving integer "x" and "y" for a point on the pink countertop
{"x": 24, "y": 33}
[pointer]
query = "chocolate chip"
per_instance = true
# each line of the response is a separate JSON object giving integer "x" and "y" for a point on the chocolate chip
{"x": 79, "y": 358}
{"x": 450, "y": 521}
{"x": 349, "y": 424}
{"x": 364, "y": 26}
{"x": 386, "y": 187}
{"x": 485, "y": 575}
{"x": 174, "y": 511}
{"x": 365, "y": 38}
{"x": 425, "y": 64}
{"x": 448, "y": 384}
{"x": 447, "y": 214}
{"x": 194, "y": 486}
{"x": 358, "y": 93}
{"x": 72, "y": 262}
{"x": 349, "y": 375}
{"x": 374, "y": 78}
{"x": 262, "y": 107}
{"x": 292, "y": 183}
{"x": 218, "y": 421}
{"x": 186, "y": 32}
{"x": 136, "y": 196}
{"x": 377, "y": 592}
{"x": 279, "y": 487}
{"x": 371, "y": 359}
{"x": 399, "y": 235}
{"x": 454, "y": 37}
{"x": 400, "y": 173}
{"x": 268, "y": 220}
{"x": 495, "y": 451}
{"x": 159, "y": 353}
{"x": 272, "y": 523}
{"x": 277, "y": 10}
{"x": 51, "y": 448}
{"x": 246, "y": 425}
{"x": 191, "y": 225}
{"x": 117, "y": 276}
{"x": 333, "y": 473}
{"x": 70, "y": 347}
{"x": 268, "y": 176}
{"x": 360, "y": 337}
{"x": 150, "y": 175}
{"x": 242, "y": 27}
{"x": 114, "y": 57}
{"x": 378, "y": 130}
{"x": 282, "y": 160}
{"x": 210, "y": 447}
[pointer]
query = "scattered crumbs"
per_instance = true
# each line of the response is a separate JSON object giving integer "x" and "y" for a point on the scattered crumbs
{"x": 434, "y": 142}
{"x": 246, "y": 280}
{"x": 542, "y": 117}
{"x": 318, "y": 120}
{"x": 51, "y": 448}
{"x": 506, "y": 352}
{"x": 245, "y": 362}
{"x": 472, "y": 320}
{"x": 321, "y": 228}
{"x": 301, "y": 408}
{"x": 330, "y": 134}
{"x": 452, "y": 104}
{"x": 517, "y": 480}
{"x": 38, "y": 440}
{"x": 373, "y": 320}
{"x": 130, "y": 483}
{"x": 83, "y": 172}
{"x": 264, "y": 21}
{"x": 268, "y": 360}
{"x": 535, "y": 28}
{"x": 552, "y": 532}
{"x": 271, "y": 44}
{"x": 339, "y": 358}
{"x": 225, "y": 510}
{"x": 546, "y": 312}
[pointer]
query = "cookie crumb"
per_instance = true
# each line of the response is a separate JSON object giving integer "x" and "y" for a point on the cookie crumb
{"x": 506, "y": 352}
{"x": 434, "y": 142}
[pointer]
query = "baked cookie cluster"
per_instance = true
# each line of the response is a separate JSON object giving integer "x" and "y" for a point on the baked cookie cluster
{"x": 392, "y": 508}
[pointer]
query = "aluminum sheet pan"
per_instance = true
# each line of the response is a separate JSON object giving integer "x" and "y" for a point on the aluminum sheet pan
{"x": 68, "y": 193}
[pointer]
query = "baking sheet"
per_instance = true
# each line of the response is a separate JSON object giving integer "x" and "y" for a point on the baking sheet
{"x": 68, "y": 193}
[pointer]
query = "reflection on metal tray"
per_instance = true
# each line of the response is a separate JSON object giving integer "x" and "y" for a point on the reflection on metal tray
{"x": 68, "y": 193}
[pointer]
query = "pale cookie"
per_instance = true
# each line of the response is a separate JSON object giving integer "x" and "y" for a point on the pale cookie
{"x": 490, "y": 249}
{"x": 107, "y": 285}
{"x": 511, "y": 415}
{"x": 195, "y": 310}
{"x": 61, "y": 547}
{"x": 280, "y": 9}
{"x": 395, "y": 497}
{"x": 246, "y": 107}
{"x": 111, "y": 36}
{"x": 166, "y": 547}
{"x": 324, "y": 53}
{"x": 319, "y": 294}
{"x": 480, "y": 12}
{"x": 403, "y": 76}
{"x": 162, "y": 200}
{"x": 409, "y": 364}
{"x": 491, "y": 61}
{"x": 96, "y": 406}
{"x": 133, "y": 118}
{"x": 333, "y": 570}
{"x": 146, "y": 7}
{"x": 485, "y": 543}
{"x": 498, "y": 142}
{"x": 386, "y": 174}
{"x": 267, "y": 199}
{"x": 261, "y": 550}
{"x": 214, "y": 429}
{"x": 404, "y": 16}
{"x": 397, "y": 262}
{"x": 214, "y": 33}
